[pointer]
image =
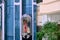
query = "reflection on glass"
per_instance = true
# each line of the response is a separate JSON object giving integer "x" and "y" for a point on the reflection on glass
{"x": 0, "y": 1}
{"x": 34, "y": 0}
{"x": 35, "y": 6}
{"x": 17, "y": 24}
{"x": 17, "y": 0}
{"x": 26, "y": 27}
{"x": 0, "y": 26}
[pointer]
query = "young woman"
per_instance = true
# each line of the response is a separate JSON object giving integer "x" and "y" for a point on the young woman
{"x": 26, "y": 32}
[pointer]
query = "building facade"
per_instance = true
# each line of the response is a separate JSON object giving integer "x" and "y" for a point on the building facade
{"x": 48, "y": 10}
{"x": 12, "y": 12}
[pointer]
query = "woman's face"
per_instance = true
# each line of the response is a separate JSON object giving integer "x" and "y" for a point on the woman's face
{"x": 24, "y": 22}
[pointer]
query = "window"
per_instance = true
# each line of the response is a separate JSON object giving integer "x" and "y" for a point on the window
{"x": 26, "y": 26}
{"x": 9, "y": 23}
{"x": 35, "y": 7}
{"x": 29, "y": 10}
{"x": 17, "y": 0}
{"x": 17, "y": 22}
{"x": 34, "y": 0}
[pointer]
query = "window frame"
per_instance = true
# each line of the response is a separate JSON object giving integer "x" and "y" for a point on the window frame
{"x": 2, "y": 20}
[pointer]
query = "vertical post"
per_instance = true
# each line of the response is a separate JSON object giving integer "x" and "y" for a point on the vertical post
{"x": 20, "y": 19}
{"x": 2, "y": 21}
{"x": 32, "y": 22}
{"x": 34, "y": 5}
{"x": 14, "y": 21}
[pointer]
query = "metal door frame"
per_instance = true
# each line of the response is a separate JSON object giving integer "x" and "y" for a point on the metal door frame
{"x": 21, "y": 20}
{"x": 2, "y": 11}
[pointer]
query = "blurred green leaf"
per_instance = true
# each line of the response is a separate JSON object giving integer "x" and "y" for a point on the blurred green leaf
{"x": 51, "y": 29}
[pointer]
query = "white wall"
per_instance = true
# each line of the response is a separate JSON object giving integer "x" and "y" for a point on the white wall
{"x": 47, "y": 8}
{"x": 54, "y": 18}
{"x": 47, "y": 1}
{"x": 44, "y": 19}
{"x": 39, "y": 20}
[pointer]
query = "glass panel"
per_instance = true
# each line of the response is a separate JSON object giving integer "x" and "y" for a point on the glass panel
{"x": 29, "y": 3}
{"x": 27, "y": 20}
{"x": 17, "y": 0}
{"x": 29, "y": 10}
{"x": 9, "y": 2}
{"x": 35, "y": 7}
{"x": 17, "y": 22}
{"x": 26, "y": 27}
{"x": 23, "y": 6}
{"x": 0, "y": 1}
{"x": 9, "y": 37}
{"x": 0, "y": 24}
{"x": 34, "y": 0}
{"x": 9, "y": 20}
{"x": 29, "y": 7}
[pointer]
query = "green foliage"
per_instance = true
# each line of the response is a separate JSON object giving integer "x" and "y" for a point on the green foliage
{"x": 51, "y": 29}
{"x": 38, "y": 1}
{"x": 40, "y": 35}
